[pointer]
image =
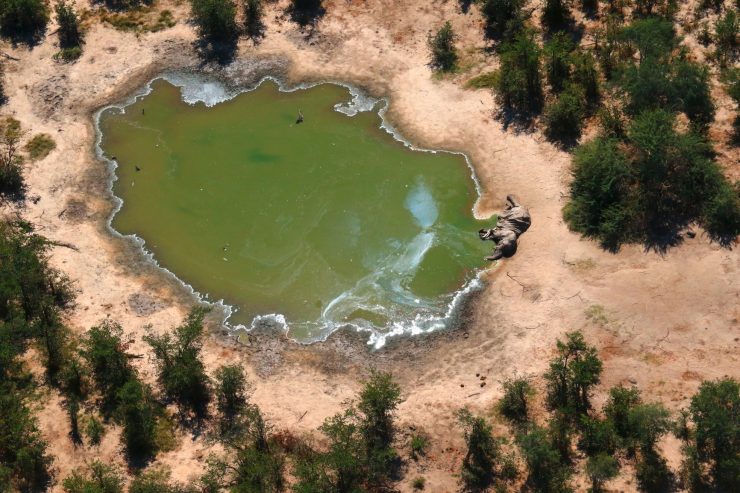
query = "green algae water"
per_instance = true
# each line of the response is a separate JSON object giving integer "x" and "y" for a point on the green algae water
{"x": 317, "y": 225}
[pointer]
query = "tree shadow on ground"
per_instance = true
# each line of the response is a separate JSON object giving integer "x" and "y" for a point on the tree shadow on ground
{"x": 465, "y": 5}
{"x": 308, "y": 14}
{"x": 220, "y": 52}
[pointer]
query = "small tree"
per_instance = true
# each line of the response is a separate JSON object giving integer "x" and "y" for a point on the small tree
{"x": 478, "y": 465}
{"x": 99, "y": 478}
{"x": 442, "y": 46}
{"x": 572, "y": 375}
{"x": 12, "y": 184}
{"x": 70, "y": 37}
{"x": 601, "y": 468}
{"x": 377, "y": 404}
{"x": 102, "y": 348}
{"x": 231, "y": 395}
{"x": 519, "y": 84}
{"x": 557, "y": 60}
{"x": 714, "y": 411}
{"x": 503, "y": 17}
{"x": 340, "y": 467}
{"x": 216, "y": 20}
{"x": 726, "y": 37}
{"x": 564, "y": 116}
{"x": 181, "y": 372}
{"x": 153, "y": 480}
{"x": 137, "y": 414}
{"x": 546, "y": 473}
{"x": 514, "y": 405}
{"x": 23, "y": 19}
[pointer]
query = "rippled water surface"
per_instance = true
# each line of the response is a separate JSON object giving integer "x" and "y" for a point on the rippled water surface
{"x": 324, "y": 223}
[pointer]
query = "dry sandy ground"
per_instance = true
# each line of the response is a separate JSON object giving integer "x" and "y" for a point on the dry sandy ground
{"x": 662, "y": 322}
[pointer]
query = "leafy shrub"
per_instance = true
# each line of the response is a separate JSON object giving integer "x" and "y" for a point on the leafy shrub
{"x": 487, "y": 80}
{"x": 215, "y": 19}
{"x": 714, "y": 411}
{"x": 564, "y": 116}
{"x": 102, "y": 348}
{"x": 483, "y": 451}
{"x": 231, "y": 396}
{"x": 502, "y": 17}
{"x": 419, "y": 444}
{"x": 546, "y": 472}
{"x": 94, "y": 430}
{"x": 136, "y": 411}
{"x": 442, "y": 46}
{"x": 12, "y": 184}
{"x": 586, "y": 76}
{"x": 99, "y": 478}
{"x": 597, "y": 436}
{"x": 419, "y": 483}
{"x": 69, "y": 26}
{"x": 23, "y": 19}
{"x": 601, "y": 468}
{"x": 155, "y": 480}
{"x": 726, "y": 32}
{"x": 557, "y": 60}
{"x": 572, "y": 374}
{"x": 40, "y": 146}
{"x": 722, "y": 213}
{"x": 68, "y": 55}
{"x": 514, "y": 405}
{"x": 181, "y": 372}
{"x": 518, "y": 81}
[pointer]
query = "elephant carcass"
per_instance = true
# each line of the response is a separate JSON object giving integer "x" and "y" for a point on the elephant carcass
{"x": 512, "y": 222}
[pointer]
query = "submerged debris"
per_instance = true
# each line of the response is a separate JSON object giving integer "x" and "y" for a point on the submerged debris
{"x": 514, "y": 221}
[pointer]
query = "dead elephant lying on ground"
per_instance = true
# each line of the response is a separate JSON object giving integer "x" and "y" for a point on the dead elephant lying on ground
{"x": 514, "y": 221}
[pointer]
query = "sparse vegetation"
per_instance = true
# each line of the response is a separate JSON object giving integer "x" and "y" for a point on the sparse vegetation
{"x": 442, "y": 46}
{"x": 39, "y": 146}
{"x": 23, "y": 20}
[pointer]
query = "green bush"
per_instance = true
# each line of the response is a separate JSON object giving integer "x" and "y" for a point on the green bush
{"x": 714, "y": 411}
{"x": 40, "y": 146}
{"x": 181, "y": 372}
{"x": 597, "y": 436}
{"x": 23, "y": 19}
{"x": 557, "y": 60}
{"x": 231, "y": 396}
{"x": 502, "y": 17}
{"x": 564, "y": 116}
{"x": 419, "y": 444}
{"x": 153, "y": 480}
{"x": 722, "y": 213}
{"x": 478, "y": 467}
{"x": 94, "y": 430}
{"x": 546, "y": 472}
{"x": 99, "y": 478}
{"x": 487, "y": 80}
{"x": 586, "y": 76}
{"x": 12, "y": 184}
{"x": 215, "y": 19}
{"x": 572, "y": 374}
{"x": 601, "y": 468}
{"x": 419, "y": 483}
{"x": 519, "y": 84}
{"x": 136, "y": 411}
{"x": 102, "y": 348}
{"x": 69, "y": 26}
{"x": 442, "y": 46}
{"x": 514, "y": 405}
{"x": 726, "y": 33}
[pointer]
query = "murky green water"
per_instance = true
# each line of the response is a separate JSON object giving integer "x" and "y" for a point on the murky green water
{"x": 327, "y": 222}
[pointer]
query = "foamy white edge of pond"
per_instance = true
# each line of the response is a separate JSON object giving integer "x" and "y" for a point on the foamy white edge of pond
{"x": 211, "y": 90}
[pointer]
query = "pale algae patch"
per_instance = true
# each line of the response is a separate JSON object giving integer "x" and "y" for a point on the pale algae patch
{"x": 317, "y": 225}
